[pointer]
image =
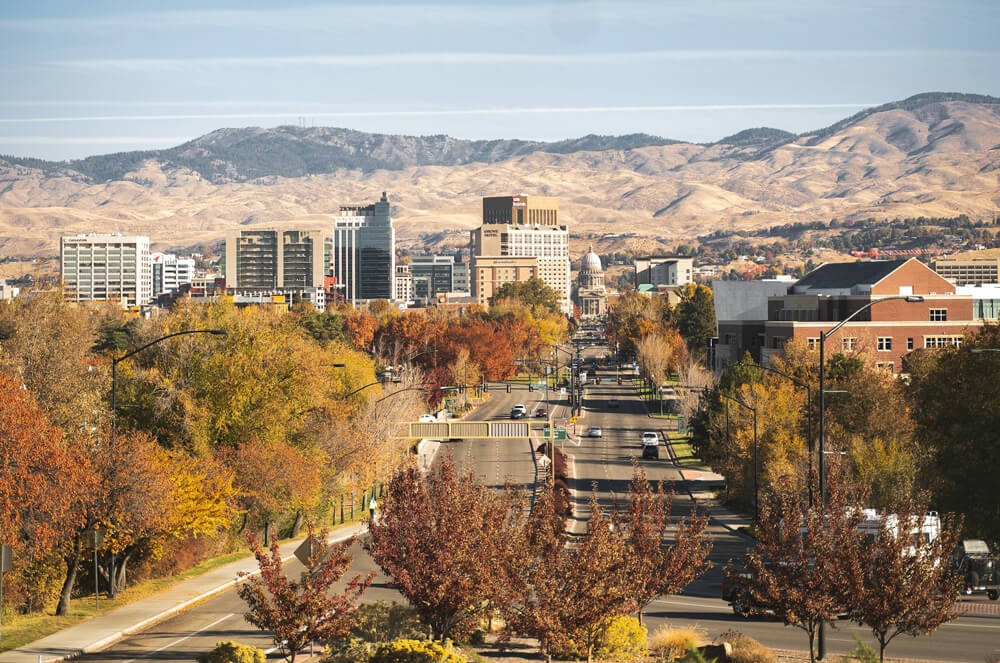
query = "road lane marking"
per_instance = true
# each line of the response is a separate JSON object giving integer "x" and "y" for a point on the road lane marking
{"x": 180, "y": 640}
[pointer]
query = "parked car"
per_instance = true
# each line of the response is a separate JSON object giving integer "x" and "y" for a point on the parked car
{"x": 427, "y": 419}
{"x": 541, "y": 412}
{"x": 595, "y": 431}
{"x": 519, "y": 411}
{"x": 649, "y": 438}
{"x": 979, "y": 568}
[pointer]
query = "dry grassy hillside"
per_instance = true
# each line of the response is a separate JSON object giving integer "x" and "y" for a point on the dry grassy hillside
{"x": 939, "y": 159}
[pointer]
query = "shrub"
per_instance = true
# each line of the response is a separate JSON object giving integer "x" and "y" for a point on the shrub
{"x": 624, "y": 639}
{"x": 232, "y": 652}
{"x": 417, "y": 651}
{"x": 694, "y": 656}
{"x": 562, "y": 502}
{"x": 349, "y": 651}
{"x": 668, "y": 643}
{"x": 385, "y": 622}
{"x": 746, "y": 649}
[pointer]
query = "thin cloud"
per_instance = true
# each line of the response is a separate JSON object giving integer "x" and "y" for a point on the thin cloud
{"x": 429, "y": 113}
{"x": 485, "y": 59}
{"x": 91, "y": 140}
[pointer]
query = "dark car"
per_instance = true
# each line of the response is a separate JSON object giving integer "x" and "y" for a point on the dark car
{"x": 541, "y": 412}
{"x": 979, "y": 568}
{"x": 651, "y": 451}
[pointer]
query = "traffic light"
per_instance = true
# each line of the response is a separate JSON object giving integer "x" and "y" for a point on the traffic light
{"x": 461, "y": 389}
{"x": 569, "y": 398}
{"x": 508, "y": 389}
{"x": 531, "y": 387}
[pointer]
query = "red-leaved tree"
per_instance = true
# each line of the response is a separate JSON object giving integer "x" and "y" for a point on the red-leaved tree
{"x": 304, "y": 611}
{"x": 901, "y": 581}
{"x": 447, "y": 542}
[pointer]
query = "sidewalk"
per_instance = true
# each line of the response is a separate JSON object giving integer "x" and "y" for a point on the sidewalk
{"x": 104, "y": 630}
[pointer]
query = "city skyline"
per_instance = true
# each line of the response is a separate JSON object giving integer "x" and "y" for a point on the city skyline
{"x": 104, "y": 78}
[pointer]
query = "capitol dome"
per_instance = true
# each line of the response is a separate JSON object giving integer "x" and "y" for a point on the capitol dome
{"x": 591, "y": 262}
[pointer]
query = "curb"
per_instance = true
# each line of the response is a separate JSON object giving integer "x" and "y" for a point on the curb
{"x": 117, "y": 636}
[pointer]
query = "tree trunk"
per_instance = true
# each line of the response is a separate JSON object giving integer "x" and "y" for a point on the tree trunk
{"x": 72, "y": 565}
{"x": 812, "y": 649}
{"x": 112, "y": 577}
{"x": 122, "y": 575}
{"x": 297, "y": 525}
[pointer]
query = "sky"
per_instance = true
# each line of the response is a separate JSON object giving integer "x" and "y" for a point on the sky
{"x": 78, "y": 79}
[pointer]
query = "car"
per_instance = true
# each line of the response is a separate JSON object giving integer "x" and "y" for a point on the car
{"x": 541, "y": 412}
{"x": 978, "y": 567}
{"x": 651, "y": 451}
{"x": 427, "y": 419}
{"x": 613, "y": 402}
{"x": 519, "y": 411}
{"x": 649, "y": 439}
{"x": 595, "y": 431}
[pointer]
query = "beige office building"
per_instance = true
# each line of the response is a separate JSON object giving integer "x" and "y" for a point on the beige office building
{"x": 974, "y": 271}
{"x": 491, "y": 272}
{"x": 523, "y": 227}
{"x": 106, "y": 268}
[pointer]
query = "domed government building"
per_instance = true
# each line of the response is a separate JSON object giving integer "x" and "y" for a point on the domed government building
{"x": 590, "y": 294}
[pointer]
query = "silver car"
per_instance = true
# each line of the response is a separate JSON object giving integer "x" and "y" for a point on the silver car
{"x": 595, "y": 431}
{"x": 649, "y": 439}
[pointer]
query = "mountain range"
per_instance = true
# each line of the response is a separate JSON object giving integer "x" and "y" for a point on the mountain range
{"x": 934, "y": 154}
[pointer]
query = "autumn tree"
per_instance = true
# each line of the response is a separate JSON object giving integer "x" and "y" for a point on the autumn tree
{"x": 658, "y": 568}
{"x": 447, "y": 543}
{"x": 567, "y": 595}
{"x": 900, "y": 581}
{"x": 799, "y": 567}
{"x": 303, "y": 611}
{"x": 630, "y": 317}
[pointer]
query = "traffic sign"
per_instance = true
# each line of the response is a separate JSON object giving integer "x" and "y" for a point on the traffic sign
{"x": 560, "y": 433}
{"x": 572, "y": 419}
{"x": 5, "y": 559}
{"x": 308, "y": 548}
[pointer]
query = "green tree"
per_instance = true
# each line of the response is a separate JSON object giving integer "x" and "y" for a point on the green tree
{"x": 533, "y": 293}
{"x": 956, "y": 406}
{"x": 694, "y": 316}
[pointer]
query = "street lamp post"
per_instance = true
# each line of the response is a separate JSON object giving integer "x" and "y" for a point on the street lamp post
{"x": 112, "y": 585}
{"x": 821, "y": 639}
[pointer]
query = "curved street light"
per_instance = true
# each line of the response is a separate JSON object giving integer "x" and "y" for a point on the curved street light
{"x": 821, "y": 639}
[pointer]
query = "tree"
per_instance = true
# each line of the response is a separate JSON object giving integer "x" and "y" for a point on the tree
{"x": 694, "y": 315}
{"x": 901, "y": 582}
{"x": 447, "y": 543}
{"x": 658, "y": 569}
{"x": 533, "y": 293}
{"x": 297, "y": 613}
{"x": 566, "y": 597}
{"x": 798, "y": 569}
{"x": 956, "y": 407}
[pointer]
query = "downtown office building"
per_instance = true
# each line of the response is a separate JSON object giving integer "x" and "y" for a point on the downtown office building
{"x": 288, "y": 262}
{"x": 106, "y": 268}
{"x": 363, "y": 252}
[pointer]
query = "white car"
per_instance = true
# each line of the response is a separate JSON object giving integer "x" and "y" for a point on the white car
{"x": 427, "y": 419}
{"x": 595, "y": 431}
{"x": 650, "y": 439}
{"x": 519, "y": 411}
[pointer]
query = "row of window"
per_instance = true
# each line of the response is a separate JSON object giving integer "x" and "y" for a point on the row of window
{"x": 884, "y": 343}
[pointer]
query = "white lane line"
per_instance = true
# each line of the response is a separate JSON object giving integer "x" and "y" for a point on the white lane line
{"x": 180, "y": 640}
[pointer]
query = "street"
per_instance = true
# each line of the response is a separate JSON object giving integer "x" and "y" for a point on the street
{"x": 608, "y": 462}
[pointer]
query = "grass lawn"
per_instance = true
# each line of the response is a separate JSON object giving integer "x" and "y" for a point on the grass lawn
{"x": 19, "y": 630}
{"x": 684, "y": 453}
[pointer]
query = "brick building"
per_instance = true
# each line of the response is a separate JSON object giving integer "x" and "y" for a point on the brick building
{"x": 890, "y": 330}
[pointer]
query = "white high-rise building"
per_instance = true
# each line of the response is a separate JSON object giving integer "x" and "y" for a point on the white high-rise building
{"x": 169, "y": 272}
{"x": 524, "y": 227}
{"x": 106, "y": 268}
{"x": 363, "y": 252}
{"x": 404, "y": 284}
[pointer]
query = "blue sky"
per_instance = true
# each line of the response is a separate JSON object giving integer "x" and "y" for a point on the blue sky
{"x": 89, "y": 78}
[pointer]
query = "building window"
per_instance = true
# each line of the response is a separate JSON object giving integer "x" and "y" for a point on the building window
{"x": 942, "y": 341}
{"x": 909, "y": 343}
{"x": 885, "y": 366}
{"x": 884, "y": 343}
{"x": 939, "y": 314}
{"x": 848, "y": 344}
{"x": 813, "y": 343}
